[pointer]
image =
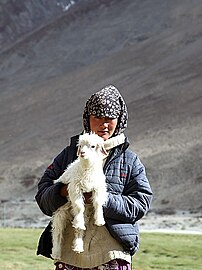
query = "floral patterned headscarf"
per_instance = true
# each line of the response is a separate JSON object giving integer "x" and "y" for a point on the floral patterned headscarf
{"x": 107, "y": 102}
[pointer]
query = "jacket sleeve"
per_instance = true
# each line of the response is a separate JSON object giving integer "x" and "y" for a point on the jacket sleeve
{"x": 133, "y": 203}
{"x": 48, "y": 196}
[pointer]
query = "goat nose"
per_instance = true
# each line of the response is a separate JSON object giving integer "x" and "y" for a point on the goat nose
{"x": 82, "y": 153}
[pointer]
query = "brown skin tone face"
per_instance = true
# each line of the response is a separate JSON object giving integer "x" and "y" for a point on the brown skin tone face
{"x": 103, "y": 127}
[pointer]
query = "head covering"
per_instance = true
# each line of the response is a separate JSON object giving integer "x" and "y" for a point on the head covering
{"x": 107, "y": 102}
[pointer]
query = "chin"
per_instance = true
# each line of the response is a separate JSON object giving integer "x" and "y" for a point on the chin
{"x": 105, "y": 137}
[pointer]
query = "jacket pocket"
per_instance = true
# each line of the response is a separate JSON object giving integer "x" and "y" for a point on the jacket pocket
{"x": 125, "y": 233}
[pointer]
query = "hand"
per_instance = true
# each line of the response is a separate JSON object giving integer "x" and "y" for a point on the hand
{"x": 63, "y": 191}
{"x": 88, "y": 197}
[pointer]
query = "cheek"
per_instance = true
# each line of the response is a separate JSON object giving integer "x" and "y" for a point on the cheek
{"x": 113, "y": 126}
{"x": 93, "y": 125}
{"x": 113, "y": 129}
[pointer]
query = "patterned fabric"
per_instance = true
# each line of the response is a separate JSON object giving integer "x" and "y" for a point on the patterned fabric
{"x": 112, "y": 265}
{"x": 107, "y": 102}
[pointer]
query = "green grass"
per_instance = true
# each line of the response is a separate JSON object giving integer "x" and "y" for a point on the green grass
{"x": 18, "y": 250}
{"x": 157, "y": 251}
{"x": 169, "y": 251}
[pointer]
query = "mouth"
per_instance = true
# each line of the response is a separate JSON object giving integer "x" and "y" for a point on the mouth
{"x": 103, "y": 131}
{"x": 83, "y": 156}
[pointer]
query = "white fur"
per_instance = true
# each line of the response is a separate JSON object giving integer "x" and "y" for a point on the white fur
{"x": 85, "y": 174}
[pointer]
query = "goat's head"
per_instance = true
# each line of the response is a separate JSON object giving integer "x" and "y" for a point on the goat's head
{"x": 90, "y": 147}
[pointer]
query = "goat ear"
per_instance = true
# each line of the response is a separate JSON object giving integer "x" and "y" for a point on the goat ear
{"x": 78, "y": 151}
{"x": 103, "y": 150}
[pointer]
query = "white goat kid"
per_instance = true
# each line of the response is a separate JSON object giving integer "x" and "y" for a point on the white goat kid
{"x": 85, "y": 174}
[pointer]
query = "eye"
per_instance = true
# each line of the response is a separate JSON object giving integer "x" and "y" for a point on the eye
{"x": 92, "y": 146}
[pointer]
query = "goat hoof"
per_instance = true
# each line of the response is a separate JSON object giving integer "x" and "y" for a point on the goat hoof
{"x": 78, "y": 250}
{"x": 78, "y": 246}
{"x": 99, "y": 222}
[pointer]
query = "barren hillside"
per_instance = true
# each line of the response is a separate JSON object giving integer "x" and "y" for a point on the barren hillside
{"x": 150, "y": 50}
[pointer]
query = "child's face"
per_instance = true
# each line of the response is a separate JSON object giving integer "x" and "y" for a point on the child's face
{"x": 103, "y": 126}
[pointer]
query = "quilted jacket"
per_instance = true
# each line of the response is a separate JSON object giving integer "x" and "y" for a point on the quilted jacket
{"x": 129, "y": 194}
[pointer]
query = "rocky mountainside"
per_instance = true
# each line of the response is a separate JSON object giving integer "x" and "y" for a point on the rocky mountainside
{"x": 20, "y": 18}
{"x": 150, "y": 50}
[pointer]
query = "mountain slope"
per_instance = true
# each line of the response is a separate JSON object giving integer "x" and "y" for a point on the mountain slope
{"x": 150, "y": 50}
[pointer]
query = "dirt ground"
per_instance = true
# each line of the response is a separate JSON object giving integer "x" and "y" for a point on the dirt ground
{"x": 29, "y": 215}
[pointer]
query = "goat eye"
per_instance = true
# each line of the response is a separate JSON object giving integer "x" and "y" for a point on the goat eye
{"x": 92, "y": 146}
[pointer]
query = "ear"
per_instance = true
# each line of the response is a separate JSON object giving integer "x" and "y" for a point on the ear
{"x": 78, "y": 151}
{"x": 103, "y": 150}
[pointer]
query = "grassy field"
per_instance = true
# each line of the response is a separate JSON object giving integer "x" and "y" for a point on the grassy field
{"x": 158, "y": 251}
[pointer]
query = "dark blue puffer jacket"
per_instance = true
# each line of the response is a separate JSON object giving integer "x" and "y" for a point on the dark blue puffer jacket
{"x": 129, "y": 194}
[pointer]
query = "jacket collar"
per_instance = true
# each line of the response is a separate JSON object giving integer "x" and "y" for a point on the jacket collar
{"x": 116, "y": 151}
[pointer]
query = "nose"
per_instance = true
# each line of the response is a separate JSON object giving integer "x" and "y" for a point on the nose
{"x": 105, "y": 122}
{"x": 82, "y": 153}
